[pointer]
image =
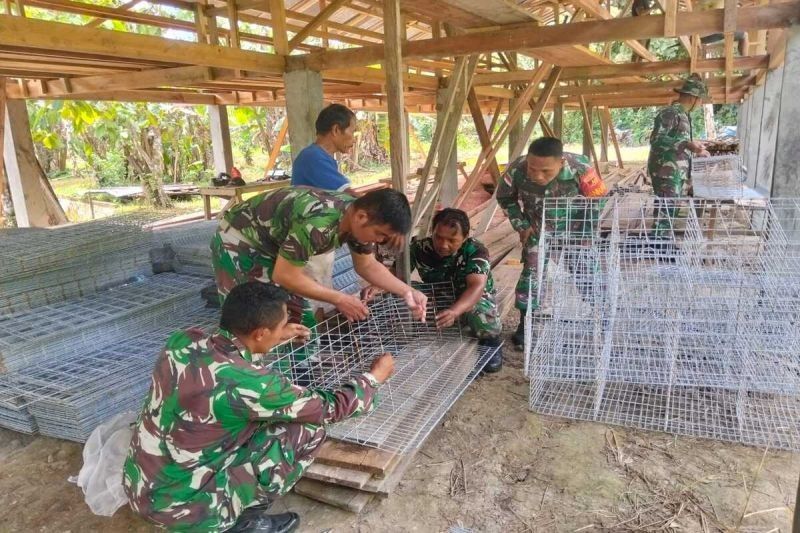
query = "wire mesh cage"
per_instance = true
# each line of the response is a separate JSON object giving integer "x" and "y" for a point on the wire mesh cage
{"x": 433, "y": 367}
{"x": 678, "y": 315}
{"x": 719, "y": 176}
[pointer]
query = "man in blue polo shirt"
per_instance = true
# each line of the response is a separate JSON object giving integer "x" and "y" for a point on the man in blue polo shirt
{"x": 315, "y": 165}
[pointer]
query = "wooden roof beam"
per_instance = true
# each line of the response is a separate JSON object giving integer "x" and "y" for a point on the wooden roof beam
{"x": 532, "y": 36}
{"x": 28, "y": 33}
{"x": 146, "y": 79}
{"x": 172, "y": 97}
{"x": 627, "y": 69}
{"x": 634, "y": 88}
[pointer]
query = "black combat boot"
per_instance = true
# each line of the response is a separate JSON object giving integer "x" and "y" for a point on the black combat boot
{"x": 518, "y": 338}
{"x": 255, "y": 521}
{"x": 496, "y": 362}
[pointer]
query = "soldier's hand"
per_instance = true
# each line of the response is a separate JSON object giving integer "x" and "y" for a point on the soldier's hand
{"x": 446, "y": 318}
{"x": 351, "y": 307}
{"x": 418, "y": 303}
{"x": 296, "y": 330}
{"x": 369, "y": 293}
{"x": 382, "y": 367}
{"x": 525, "y": 234}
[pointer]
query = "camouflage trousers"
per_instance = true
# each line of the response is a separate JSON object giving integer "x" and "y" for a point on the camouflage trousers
{"x": 483, "y": 320}
{"x": 272, "y": 462}
{"x": 580, "y": 265}
{"x": 669, "y": 181}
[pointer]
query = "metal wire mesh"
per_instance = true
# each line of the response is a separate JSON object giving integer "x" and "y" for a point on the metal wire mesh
{"x": 69, "y": 397}
{"x": 433, "y": 367}
{"x": 51, "y": 331}
{"x": 719, "y": 176}
{"x": 691, "y": 331}
{"x": 42, "y": 267}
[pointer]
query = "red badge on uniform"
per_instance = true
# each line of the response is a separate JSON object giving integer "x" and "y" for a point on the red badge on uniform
{"x": 591, "y": 185}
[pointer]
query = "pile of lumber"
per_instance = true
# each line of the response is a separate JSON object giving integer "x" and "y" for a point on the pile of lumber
{"x": 349, "y": 476}
{"x": 722, "y": 146}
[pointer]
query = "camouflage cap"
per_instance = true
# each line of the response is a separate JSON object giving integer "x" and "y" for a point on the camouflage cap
{"x": 694, "y": 86}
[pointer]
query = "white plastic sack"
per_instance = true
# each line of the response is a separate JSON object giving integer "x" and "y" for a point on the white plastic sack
{"x": 103, "y": 458}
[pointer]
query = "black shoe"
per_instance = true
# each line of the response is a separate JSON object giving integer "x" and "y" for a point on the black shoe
{"x": 259, "y": 522}
{"x": 495, "y": 363}
{"x": 518, "y": 338}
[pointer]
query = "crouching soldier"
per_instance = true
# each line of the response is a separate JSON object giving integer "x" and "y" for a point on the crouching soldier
{"x": 220, "y": 437}
{"x": 450, "y": 254}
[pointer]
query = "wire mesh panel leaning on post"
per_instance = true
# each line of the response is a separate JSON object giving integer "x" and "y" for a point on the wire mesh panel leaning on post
{"x": 696, "y": 335}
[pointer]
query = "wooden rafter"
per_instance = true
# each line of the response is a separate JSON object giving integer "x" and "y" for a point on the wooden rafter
{"x": 531, "y": 37}
{"x": 36, "y": 34}
{"x": 323, "y": 16}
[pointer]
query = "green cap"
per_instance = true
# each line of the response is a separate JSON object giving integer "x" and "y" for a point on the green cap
{"x": 694, "y": 86}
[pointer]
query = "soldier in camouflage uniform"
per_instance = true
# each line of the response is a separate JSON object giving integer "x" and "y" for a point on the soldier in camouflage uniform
{"x": 545, "y": 172}
{"x": 450, "y": 254}
{"x": 271, "y": 236}
{"x": 670, "y": 147}
{"x": 220, "y": 436}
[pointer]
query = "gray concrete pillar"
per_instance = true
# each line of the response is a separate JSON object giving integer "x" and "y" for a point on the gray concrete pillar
{"x": 304, "y": 101}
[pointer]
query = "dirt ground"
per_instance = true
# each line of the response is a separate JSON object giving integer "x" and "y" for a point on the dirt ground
{"x": 490, "y": 466}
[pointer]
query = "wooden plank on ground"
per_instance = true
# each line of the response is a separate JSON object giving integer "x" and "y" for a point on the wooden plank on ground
{"x": 384, "y": 487}
{"x": 345, "y": 477}
{"x": 352, "y": 500}
{"x": 348, "y": 455}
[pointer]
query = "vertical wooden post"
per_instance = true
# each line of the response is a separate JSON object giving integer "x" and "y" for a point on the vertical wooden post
{"x": 394, "y": 35}
{"x": 200, "y": 23}
{"x": 277, "y": 13}
{"x": 613, "y": 133}
{"x": 449, "y": 189}
{"x": 233, "y": 22}
{"x": 587, "y": 131}
{"x": 33, "y": 199}
{"x": 558, "y": 117}
{"x": 324, "y": 28}
{"x": 220, "y": 138}
{"x": 586, "y": 148}
{"x": 603, "y": 134}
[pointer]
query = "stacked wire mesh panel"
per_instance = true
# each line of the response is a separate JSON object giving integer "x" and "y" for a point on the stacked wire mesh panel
{"x": 691, "y": 329}
{"x": 77, "y": 304}
{"x": 719, "y": 176}
{"x": 44, "y": 266}
{"x": 433, "y": 368}
{"x": 70, "y": 397}
{"x": 62, "y": 361}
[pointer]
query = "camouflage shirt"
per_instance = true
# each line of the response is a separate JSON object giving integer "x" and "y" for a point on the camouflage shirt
{"x": 671, "y": 135}
{"x": 209, "y": 410}
{"x": 523, "y": 200}
{"x": 471, "y": 258}
{"x": 295, "y": 223}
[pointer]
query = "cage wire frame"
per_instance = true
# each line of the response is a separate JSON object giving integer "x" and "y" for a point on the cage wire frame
{"x": 433, "y": 367}
{"x": 691, "y": 331}
{"x": 719, "y": 176}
